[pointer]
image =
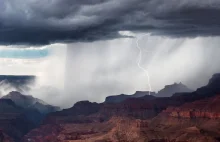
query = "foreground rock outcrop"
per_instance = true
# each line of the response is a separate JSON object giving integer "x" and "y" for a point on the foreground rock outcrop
{"x": 114, "y": 130}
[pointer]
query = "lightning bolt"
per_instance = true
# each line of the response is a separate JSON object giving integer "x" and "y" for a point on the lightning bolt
{"x": 139, "y": 62}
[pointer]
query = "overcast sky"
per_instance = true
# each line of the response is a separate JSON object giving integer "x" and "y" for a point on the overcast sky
{"x": 90, "y": 47}
{"x": 43, "y": 22}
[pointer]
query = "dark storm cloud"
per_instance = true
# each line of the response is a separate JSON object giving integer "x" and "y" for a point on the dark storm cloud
{"x": 43, "y": 22}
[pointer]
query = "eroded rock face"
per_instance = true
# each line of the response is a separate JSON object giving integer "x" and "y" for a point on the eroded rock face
{"x": 184, "y": 117}
{"x": 130, "y": 110}
{"x": 115, "y": 130}
{"x": 194, "y": 114}
{"x": 165, "y": 140}
{"x": 45, "y": 133}
{"x": 185, "y": 123}
{"x": 124, "y": 129}
{"x": 142, "y": 123}
{"x": 76, "y": 114}
{"x": 206, "y": 108}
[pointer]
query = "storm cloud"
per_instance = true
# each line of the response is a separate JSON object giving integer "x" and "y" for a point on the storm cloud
{"x": 44, "y": 22}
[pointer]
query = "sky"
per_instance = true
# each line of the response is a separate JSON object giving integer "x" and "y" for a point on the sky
{"x": 23, "y": 53}
{"x": 87, "y": 50}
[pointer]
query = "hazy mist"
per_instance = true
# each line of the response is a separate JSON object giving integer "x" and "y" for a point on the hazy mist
{"x": 94, "y": 70}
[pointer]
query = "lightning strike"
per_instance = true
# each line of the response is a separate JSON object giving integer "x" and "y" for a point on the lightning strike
{"x": 139, "y": 62}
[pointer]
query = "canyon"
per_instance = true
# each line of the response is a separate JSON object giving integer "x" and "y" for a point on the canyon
{"x": 180, "y": 117}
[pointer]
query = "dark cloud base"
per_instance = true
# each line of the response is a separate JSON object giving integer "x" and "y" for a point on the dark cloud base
{"x": 41, "y": 23}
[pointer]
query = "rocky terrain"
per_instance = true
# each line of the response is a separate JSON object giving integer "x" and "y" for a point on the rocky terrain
{"x": 182, "y": 117}
{"x": 19, "y": 114}
{"x": 123, "y": 97}
{"x": 27, "y": 101}
{"x": 169, "y": 90}
{"x": 205, "y": 108}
